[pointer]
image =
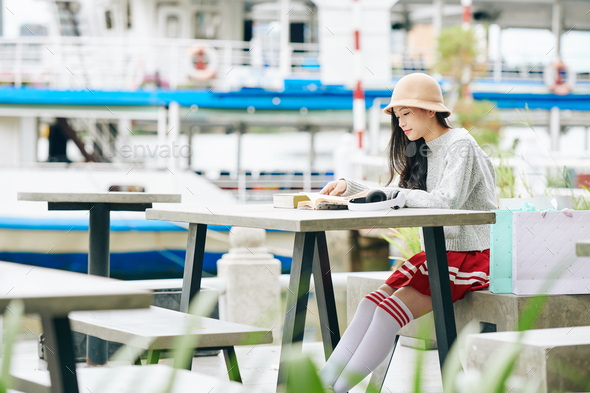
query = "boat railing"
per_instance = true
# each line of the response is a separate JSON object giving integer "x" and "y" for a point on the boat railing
{"x": 120, "y": 63}
{"x": 115, "y": 63}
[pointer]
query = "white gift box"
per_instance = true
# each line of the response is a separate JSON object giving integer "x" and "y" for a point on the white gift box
{"x": 544, "y": 252}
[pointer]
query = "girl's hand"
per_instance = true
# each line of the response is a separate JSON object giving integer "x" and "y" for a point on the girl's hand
{"x": 334, "y": 188}
{"x": 360, "y": 194}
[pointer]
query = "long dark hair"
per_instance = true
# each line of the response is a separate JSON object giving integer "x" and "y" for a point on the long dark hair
{"x": 408, "y": 158}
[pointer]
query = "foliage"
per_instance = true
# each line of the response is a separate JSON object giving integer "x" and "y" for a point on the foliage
{"x": 305, "y": 376}
{"x": 12, "y": 322}
{"x": 480, "y": 119}
{"x": 456, "y": 50}
{"x": 505, "y": 179}
{"x": 410, "y": 238}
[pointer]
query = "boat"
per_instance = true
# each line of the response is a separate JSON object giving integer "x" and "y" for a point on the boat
{"x": 140, "y": 248}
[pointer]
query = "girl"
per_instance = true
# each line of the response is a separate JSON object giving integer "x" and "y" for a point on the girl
{"x": 439, "y": 167}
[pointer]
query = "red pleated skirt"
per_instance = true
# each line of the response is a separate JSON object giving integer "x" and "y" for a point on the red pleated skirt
{"x": 468, "y": 271}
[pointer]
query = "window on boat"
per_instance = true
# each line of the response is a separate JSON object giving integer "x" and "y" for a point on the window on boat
{"x": 172, "y": 26}
{"x": 206, "y": 24}
{"x": 108, "y": 20}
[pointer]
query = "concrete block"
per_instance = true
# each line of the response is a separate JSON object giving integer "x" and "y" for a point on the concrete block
{"x": 494, "y": 312}
{"x": 253, "y": 290}
{"x": 549, "y": 357}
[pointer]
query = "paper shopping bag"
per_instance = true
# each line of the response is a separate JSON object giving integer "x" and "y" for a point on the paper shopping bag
{"x": 544, "y": 252}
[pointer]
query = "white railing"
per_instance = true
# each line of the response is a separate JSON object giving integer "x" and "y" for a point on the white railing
{"x": 115, "y": 63}
{"x": 120, "y": 63}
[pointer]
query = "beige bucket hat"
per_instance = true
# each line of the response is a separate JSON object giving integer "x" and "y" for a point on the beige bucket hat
{"x": 420, "y": 91}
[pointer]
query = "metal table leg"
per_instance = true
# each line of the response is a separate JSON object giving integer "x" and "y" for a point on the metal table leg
{"x": 440, "y": 290}
{"x": 59, "y": 353}
{"x": 324, "y": 291}
{"x": 193, "y": 264}
{"x": 301, "y": 266}
{"x": 98, "y": 265}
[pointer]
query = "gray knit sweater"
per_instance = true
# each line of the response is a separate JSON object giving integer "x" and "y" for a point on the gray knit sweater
{"x": 460, "y": 176}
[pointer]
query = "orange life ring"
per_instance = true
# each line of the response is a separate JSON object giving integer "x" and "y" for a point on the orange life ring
{"x": 554, "y": 79}
{"x": 203, "y": 70}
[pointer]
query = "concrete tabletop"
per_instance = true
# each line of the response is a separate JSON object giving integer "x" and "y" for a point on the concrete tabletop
{"x": 158, "y": 328}
{"x": 127, "y": 379}
{"x": 57, "y": 292}
{"x": 269, "y": 217}
{"x": 583, "y": 248}
{"x": 549, "y": 338}
{"x": 111, "y": 197}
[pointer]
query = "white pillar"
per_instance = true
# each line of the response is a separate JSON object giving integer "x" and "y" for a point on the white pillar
{"x": 96, "y": 137}
{"x": 124, "y": 128}
{"x": 437, "y": 16}
{"x": 162, "y": 114}
{"x": 557, "y": 25}
{"x": 375, "y": 126}
{"x": 253, "y": 289}
{"x": 173, "y": 136}
{"x": 307, "y": 183}
{"x": 28, "y": 139}
{"x": 497, "y": 33}
{"x": 554, "y": 127}
{"x": 285, "y": 50}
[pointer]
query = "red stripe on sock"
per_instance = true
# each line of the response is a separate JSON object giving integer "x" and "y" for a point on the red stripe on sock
{"x": 390, "y": 313}
{"x": 371, "y": 298}
{"x": 375, "y": 297}
{"x": 407, "y": 317}
{"x": 394, "y": 310}
{"x": 378, "y": 294}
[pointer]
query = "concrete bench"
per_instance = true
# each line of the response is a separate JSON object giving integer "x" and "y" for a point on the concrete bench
{"x": 494, "y": 312}
{"x": 156, "y": 330}
{"x": 553, "y": 358}
{"x": 166, "y": 294}
{"x": 126, "y": 379}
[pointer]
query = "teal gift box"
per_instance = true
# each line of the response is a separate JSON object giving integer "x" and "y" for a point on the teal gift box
{"x": 501, "y": 237}
{"x": 501, "y": 249}
{"x": 501, "y": 252}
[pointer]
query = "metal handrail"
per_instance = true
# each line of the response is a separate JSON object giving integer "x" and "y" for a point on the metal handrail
{"x": 122, "y": 63}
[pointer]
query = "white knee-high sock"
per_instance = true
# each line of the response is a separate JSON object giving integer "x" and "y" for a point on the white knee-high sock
{"x": 352, "y": 337}
{"x": 390, "y": 316}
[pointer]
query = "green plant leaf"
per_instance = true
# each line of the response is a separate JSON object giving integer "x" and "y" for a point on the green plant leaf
{"x": 303, "y": 376}
{"x": 12, "y": 323}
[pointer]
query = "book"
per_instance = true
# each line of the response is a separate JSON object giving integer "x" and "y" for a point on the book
{"x": 308, "y": 201}
{"x": 288, "y": 201}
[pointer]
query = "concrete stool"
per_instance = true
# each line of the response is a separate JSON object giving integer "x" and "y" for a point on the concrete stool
{"x": 156, "y": 329}
{"x": 126, "y": 379}
{"x": 548, "y": 356}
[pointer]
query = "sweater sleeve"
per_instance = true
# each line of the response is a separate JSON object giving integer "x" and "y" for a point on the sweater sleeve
{"x": 453, "y": 189}
{"x": 353, "y": 187}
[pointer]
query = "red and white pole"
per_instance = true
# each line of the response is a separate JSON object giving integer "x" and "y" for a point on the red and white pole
{"x": 466, "y": 4}
{"x": 466, "y": 24}
{"x": 358, "y": 103}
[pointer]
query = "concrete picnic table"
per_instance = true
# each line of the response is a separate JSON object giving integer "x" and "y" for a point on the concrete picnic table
{"x": 99, "y": 206}
{"x": 310, "y": 253}
{"x": 53, "y": 294}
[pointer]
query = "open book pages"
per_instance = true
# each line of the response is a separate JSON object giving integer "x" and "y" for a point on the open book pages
{"x": 306, "y": 200}
{"x": 316, "y": 198}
